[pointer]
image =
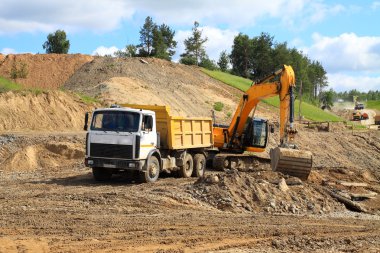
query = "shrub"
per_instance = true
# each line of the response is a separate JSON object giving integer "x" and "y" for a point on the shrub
{"x": 218, "y": 106}
{"x": 19, "y": 70}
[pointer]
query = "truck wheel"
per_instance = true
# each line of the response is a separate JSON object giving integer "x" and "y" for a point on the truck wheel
{"x": 199, "y": 165}
{"x": 101, "y": 174}
{"x": 152, "y": 171}
{"x": 187, "y": 169}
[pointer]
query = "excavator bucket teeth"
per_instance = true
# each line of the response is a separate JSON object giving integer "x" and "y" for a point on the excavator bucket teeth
{"x": 291, "y": 162}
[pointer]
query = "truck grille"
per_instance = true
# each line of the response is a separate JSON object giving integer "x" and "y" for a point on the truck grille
{"x": 111, "y": 151}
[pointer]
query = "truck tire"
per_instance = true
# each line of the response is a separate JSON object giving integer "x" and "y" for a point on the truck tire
{"x": 101, "y": 174}
{"x": 199, "y": 165}
{"x": 152, "y": 171}
{"x": 187, "y": 169}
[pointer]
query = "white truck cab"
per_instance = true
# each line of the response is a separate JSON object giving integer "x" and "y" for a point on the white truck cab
{"x": 120, "y": 138}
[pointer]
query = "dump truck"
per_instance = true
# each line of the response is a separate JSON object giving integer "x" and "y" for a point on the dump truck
{"x": 146, "y": 139}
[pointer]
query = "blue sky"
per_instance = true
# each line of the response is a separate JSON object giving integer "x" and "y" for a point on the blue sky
{"x": 343, "y": 35}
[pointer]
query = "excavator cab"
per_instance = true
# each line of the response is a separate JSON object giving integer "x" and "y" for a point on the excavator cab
{"x": 256, "y": 133}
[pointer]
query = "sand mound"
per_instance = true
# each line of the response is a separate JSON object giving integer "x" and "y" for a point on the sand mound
{"x": 43, "y": 70}
{"x": 53, "y": 110}
{"x": 32, "y": 153}
{"x": 186, "y": 89}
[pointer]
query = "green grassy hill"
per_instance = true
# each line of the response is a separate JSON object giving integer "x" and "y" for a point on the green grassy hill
{"x": 373, "y": 104}
{"x": 309, "y": 111}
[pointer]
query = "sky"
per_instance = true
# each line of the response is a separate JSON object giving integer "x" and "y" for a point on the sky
{"x": 344, "y": 35}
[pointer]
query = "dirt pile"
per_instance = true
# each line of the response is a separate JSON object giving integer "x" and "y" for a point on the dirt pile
{"x": 42, "y": 70}
{"x": 186, "y": 89}
{"x": 23, "y": 153}
{"x": 264, "y": 191}
{"x": 52, "y": 110}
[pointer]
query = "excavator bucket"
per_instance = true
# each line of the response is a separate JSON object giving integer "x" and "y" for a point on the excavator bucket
{"x": 291, "y": 162}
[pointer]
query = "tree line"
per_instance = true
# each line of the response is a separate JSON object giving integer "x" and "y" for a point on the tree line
{"x": 362, "y": 96}
{"x": 250, "y": 57}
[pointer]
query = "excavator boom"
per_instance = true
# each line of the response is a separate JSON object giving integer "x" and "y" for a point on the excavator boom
{"x": 247, "y": 134}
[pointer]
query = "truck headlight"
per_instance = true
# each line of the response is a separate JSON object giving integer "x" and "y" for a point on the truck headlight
{"x": 132, "y": 165}
{"x": 90, "y": 162}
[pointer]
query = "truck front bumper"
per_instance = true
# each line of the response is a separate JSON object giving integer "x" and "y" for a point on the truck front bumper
{"x": 120, "y": 164}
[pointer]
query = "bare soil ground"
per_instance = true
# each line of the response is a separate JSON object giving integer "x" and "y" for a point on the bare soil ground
{"x": 186, "y": 89}
{"x": 43, "y": 70}
{"x": 45, "y": 111}
{"x": 49, "y": 201}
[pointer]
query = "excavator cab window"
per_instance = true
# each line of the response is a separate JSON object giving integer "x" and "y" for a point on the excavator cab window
{"x": 256, "y": 133}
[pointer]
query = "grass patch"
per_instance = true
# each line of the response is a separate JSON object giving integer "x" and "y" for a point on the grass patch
{"x": 373, "y": 104}
{"x": 232, "y": 80}
{"x": 218, "y": 106}
{"x": 309, "y": 111}
{"x": 8, "y": 85}
{"x": 87, "y": 99}
{"x": 36, "y": 91}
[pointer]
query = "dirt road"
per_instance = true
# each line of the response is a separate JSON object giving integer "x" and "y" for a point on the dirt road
{"x": 62, "y": 209}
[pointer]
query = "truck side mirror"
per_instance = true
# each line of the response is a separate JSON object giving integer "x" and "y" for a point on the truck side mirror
{"x": 271, "y": 128}
{"x": 85, "y": 122}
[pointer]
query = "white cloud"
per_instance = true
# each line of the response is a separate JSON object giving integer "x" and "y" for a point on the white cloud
{"x": 342, "y": 82}
{"x": 346, "y": 52}
{"x": 105, "y": 15}
{"x": 71, "y": 15}
{"x": 8, "y": 50}
{"x": 102, "y": 51}
{"x": 234, "y": 13}
{"x": 375, "y": 5}
{"x": 218, "y": 40}
{"x": 319, "y": 11}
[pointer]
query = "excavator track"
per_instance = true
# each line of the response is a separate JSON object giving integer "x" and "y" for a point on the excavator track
{"x": 291, "y": 162}
{"x": 238, "y": 161}
{"x": 288, "y": 161}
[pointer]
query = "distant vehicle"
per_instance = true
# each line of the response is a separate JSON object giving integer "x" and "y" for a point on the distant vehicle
{"x": 356, "y": 116}
{"x": 359, "y": 116}
{"x": 359, "y": 106}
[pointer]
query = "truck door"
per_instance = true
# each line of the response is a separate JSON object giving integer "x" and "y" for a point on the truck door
{"x": 148, "y": 139}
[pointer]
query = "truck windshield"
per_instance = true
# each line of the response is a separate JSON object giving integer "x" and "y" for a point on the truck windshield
{"x": 118, "y": 121}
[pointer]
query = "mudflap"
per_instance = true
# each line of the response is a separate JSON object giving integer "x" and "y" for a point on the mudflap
{"x": 291, "y": 162}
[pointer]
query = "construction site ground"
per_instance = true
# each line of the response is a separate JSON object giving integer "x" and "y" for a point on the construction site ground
{"x": 49, "y": 201}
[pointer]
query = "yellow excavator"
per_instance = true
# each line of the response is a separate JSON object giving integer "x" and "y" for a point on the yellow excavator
{"x": 247, "y": 133}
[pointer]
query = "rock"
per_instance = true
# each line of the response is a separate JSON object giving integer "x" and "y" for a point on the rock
{"x": 282, "y": 185}
{"x": 212, "y": 179}
{"x": 292, "y": 208}
{"x": 215, "y": 179}
{"x": 262, "y": 181}
{"x": 310, "y": 206}
{"x": 294, "y": 181}
{"x": 272, "y": 203}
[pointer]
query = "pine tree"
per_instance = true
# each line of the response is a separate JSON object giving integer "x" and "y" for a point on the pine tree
{"x": 163, "y": 42}
{"x": 146, "y": 37}
{"x": 223, "y": 61}
{"x": 194, "y": 52}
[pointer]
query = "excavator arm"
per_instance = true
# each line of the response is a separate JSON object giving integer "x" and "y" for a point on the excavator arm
{"x": 233, "y": 138}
